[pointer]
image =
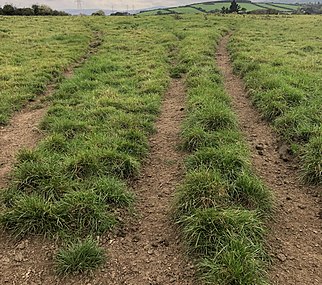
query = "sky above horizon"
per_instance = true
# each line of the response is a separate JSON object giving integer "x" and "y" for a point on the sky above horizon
{"x": 100, "y": 4}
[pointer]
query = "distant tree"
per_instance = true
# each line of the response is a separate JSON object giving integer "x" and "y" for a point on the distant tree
{"x": 121, "y": 14}
{"x": 45, "y": 10}
{"x": 224, "y": 10}
{"x": 24, "y": 12}
{"x": 36, "y": 9}
{"x": 234, "y": 7}
{"x": 1, "y": 11}
{"x": 99, "y": 13}
{"x": 8, "y": 10}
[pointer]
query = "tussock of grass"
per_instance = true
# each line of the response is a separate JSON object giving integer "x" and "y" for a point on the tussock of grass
{"x": 83, "y": 213}
{"x": 79, "y": 257}
{"x": 202, "y": 189}
{"x": 30, "y": 214}
{"x": 312, "y": 161}
{"x": 208, "y": 231}
{"x": 240, "y": 262}
{"x": 229, "y": 160}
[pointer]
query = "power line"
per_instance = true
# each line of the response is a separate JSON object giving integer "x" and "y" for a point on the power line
{"x": 79, "y": 4}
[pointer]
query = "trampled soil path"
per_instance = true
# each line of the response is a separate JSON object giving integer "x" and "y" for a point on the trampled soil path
{"x": 150, "y": 251}
{"x": 147, "y": 251}
{"x": 295, "y": 237}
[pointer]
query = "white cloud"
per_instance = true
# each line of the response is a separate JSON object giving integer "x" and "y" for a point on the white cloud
{"x": 100, "y": 4}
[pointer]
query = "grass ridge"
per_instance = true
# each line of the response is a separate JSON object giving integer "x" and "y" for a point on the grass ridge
{"x": 221, "y": 205}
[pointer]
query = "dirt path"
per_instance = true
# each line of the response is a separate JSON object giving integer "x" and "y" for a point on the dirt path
{"x": 295, "y": 238}
{"x": 22, "y": 130}
{"x": 149, "y": 252}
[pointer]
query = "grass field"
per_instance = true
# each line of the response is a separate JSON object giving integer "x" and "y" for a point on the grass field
{"x": 185, "y": 10}
{"x": 217, "y": 6}
{"x": 75, "y": 184}
{"x": 34, "y": 51}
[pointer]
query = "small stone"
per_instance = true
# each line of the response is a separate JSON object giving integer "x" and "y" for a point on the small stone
{"x": 281, "y": 257}
{"x": 21, "y": 245}
{"x": 150, "y": 251}
{"x": 288, "y": 198}
{"x": 260, "y": 152}
{"x": 136, "y": 239}
{"x": 181, "y": 109}
{"x": 259, "y": 146}
{"x": 302, "y": 207}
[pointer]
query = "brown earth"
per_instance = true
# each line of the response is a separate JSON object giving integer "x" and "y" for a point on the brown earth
{"x": 295, "y": 235}
{"x": 147, "y": 249}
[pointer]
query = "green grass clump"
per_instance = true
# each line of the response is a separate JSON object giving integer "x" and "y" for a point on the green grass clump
{"x": 79, "y": 257}
{"x": 82, "y": 213}
{"x": 312, "y": 161}
{"x": 202, "y": 189}
{"x": 240, "y": 262}
{"x": 229, "y": 160}
{"x": 30, "y": 214}
{"x": 209, "y": 230}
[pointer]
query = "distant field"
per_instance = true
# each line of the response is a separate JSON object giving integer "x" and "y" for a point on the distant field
{"x": 156, "y": 12}
{"x": 288, "y": 6}
{"x": 185, "y": 10}
{"x": 217, "y": 6}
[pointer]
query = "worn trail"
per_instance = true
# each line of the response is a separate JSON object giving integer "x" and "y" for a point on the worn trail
{"x": 295, "y": 237}
{"x": 150, "y": 251}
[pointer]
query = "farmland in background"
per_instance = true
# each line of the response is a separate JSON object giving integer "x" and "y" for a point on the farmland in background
{"x": 218, "y": 5}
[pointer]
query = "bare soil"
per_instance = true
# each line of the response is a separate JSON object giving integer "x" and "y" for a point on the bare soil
{"x": 147, "y": 250}
{"x": 295, "y": 235}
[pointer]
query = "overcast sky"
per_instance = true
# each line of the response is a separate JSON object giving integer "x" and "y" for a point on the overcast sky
{"x": 102, "y": 4}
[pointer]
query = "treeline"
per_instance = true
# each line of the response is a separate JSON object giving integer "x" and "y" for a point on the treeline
{"x": 35, "y": 10}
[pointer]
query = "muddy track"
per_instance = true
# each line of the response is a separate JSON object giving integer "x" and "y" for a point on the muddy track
{"x": 22, "y": 130}
{"x": 29, "y": 261}
{"x": 295, "y": 237}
